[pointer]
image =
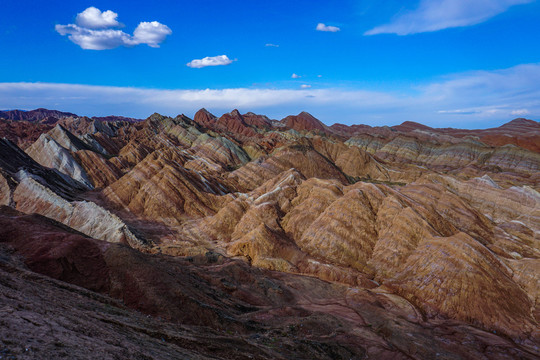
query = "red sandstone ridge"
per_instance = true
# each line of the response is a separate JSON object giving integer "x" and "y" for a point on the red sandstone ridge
{"x": 22, "y": 133}
{"x": 38, "y": 115}
{"x": 204, "y": 118}
{"x": 521, "y": 132}
{"x": 258, "y": 121}
{"x": 233, "y": 122}
{"x": 247, "y": 237}
{"x": 303, "y": 121}
{"x": 408, "y": 126}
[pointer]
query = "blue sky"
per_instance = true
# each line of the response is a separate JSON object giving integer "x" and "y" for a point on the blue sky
{"x": 440, "y": 62}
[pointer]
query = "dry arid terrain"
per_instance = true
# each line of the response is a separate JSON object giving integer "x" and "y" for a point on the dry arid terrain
{"x": 243, "y": 237}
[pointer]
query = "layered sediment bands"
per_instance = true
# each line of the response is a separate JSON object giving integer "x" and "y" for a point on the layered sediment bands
{"x": 362, "y": 231}
{"x": 215, "y": 154}
{"x": 250, "y": 225}
{"x": 22, "y": 134}
{"x": 299, "y": 156}
{"x": 207, "y": 306}
{"x": 234, "y": 122}
{"x": 344, "y": 234}
{"x": 525, "y": 274}
{"x": 368, "y": 143}
{"x": 204, "y": 118}
{"x": 13, "y": 160}
{"x": 5, "y": 191}
{"x": 267, "y": 248}
{"x": 448, "y": 213}
{"x": 400, "y": 229}
{"x": 447, "y": 156}
{"x": 258, "y": 121}
{"x": 67, "y": 140}
{"x": 100, "y": 171}
{"x": 459, "y": 278}
{"x": 352, "y": 160}
{"x": 32, "y": 197}
{"x": 47, "y": 152}
{"x": 303, "y": 121}
{"x": 515, "y": 158}
{"x": 520, "y": 132}
{"x": 161, "y": 188}
{"x": 314, "y": 196}
{"x": 359, "y": 164}
{"x": 432, "y": 233}
{"x": 519, "y": 203}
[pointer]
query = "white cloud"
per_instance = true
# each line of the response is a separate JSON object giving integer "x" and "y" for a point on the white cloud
{"x": 520, "y": 112}
{"x": 319, "y": 76}
{"x": 305, "y": 86}
{"x": 295, "y": 76}
{"x": 210, "y": 61}
{"x": 434, "y": 15}
{"x": 94, "y": 31}
{"x": 93, "y": 18}
{"x": 323, "y": 27}
{"x": 95, "y": 39}
{"x": 151, "y": 33}
{"x": 473, "y": 99}
{"x": 271, "y": 45}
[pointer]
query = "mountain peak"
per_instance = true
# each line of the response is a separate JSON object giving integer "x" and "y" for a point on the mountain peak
{"x": 204, "y": 118}
{"x": 303, "y": 121}
{"x": 235, "y": 113}
{"x": 522, "y": 122}
{"x": 411, "y": 126}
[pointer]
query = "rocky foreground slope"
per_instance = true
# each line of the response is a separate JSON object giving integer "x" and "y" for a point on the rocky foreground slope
{"x": 247, "y": 237}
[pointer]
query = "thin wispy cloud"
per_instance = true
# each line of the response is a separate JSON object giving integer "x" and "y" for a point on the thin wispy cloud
{"x": 434, "y": 15}
{"x": 328, "y": 28}
{"x": 520, "y": 112}
{"x": 305, "y": 86}
{"x": 295, "y": 76}
{"x": 464, "y": 98}
{"x": 95, "y": 30}
{"x": 272, "y": 45}
{"x": 219, "y": 60}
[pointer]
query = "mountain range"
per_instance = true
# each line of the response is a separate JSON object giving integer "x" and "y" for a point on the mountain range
{"x": 245, "y": 237}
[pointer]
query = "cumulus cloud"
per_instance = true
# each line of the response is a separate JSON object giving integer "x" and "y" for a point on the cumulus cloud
{"x": 295, "y": 76}
{"x": 95, "y": 31}
{"x": 305, "y": 86}
{"x": 151, "y": 33}
{"x": 210, "y": 61}
{"x": 95, "y": 39}
{"x": 93, "y": 18}
{"x": 271, "y": 45}
{"x": 434, "y": 15}
{"x": 472, "y": 99}
{"x": 323, "y": 27}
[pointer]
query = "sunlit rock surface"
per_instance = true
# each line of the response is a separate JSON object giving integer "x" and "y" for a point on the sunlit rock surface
{"x": 335, "y": 241}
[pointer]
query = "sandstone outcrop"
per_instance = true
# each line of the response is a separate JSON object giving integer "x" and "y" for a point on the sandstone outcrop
{"x": 203, "y": 307}
{"x": 49, "y": 153}
{"x": 31, "y": 196}
{"x": 395, "y": 235}
{"x": 303, "y": 121}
